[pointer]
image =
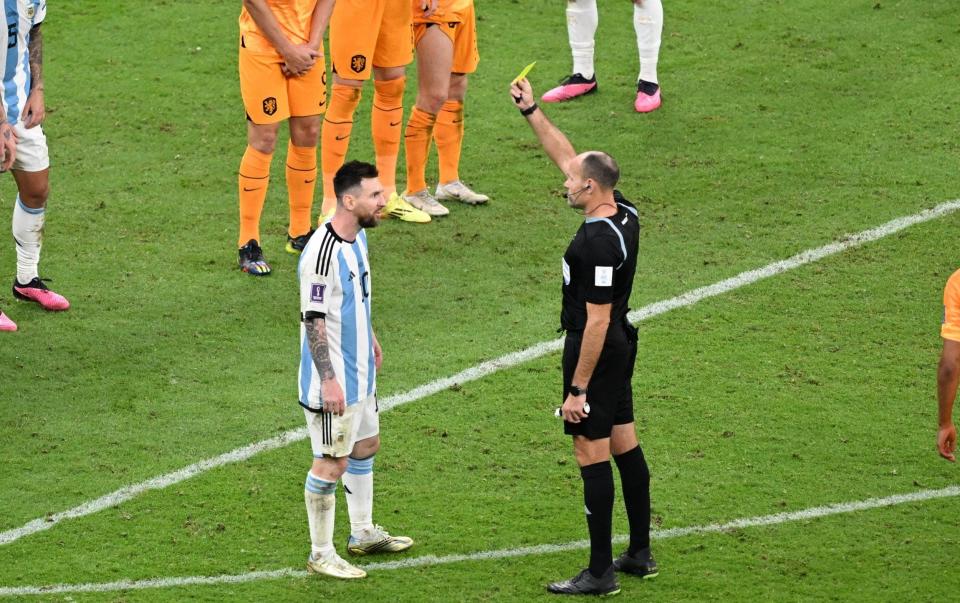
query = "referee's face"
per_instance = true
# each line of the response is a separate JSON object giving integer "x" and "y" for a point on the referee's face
{"x": 369, "y": 202}
{"x": 575, "y": 183}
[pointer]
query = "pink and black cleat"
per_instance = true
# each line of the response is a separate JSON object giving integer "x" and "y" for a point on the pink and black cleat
{"x": 6, "y": 324}
{"x": 36, "y": 291}
{"x": 571, "y": 87}
{"x": 648, "y": 97}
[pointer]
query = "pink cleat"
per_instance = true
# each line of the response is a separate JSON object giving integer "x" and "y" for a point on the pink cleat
{"x": 36, "y": 291}
{"x": 646, "y": 101}
{"x": 571, "y": 87}
{"x": 6, "y": 324}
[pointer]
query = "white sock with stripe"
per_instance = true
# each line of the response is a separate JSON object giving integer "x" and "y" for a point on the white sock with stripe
{"x": 358, "y": 484}
{"x": 28, "y": 234}
{"x": 320, "y": 497}
{"x": 581, "y": 26}
{"x": 648, "y": 24}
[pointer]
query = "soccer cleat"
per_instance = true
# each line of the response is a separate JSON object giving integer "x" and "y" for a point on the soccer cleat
{"x": 640, "y": 563}
{"x": 585, "y": 584}
{"x": 459, "y": 191}
{"x": 36, "y": 291}
{"x": 250, "y": 258}
{"x": 648, "y": 97}
{"x": 570, "y": 88}
{"x": 334, "y": 565}
{"x": 397, "y": 207}
{"x": 295, "y": 245}
{"x": 6, "y": 324}
{"x": 425, "y": 202}
{"x": 377, "y": 540}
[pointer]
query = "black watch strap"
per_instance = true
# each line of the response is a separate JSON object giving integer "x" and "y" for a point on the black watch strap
{"x": 576, "y": 390}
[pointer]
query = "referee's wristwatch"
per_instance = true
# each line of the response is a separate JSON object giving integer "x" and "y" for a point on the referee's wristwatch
{"x": 576, "y": 391}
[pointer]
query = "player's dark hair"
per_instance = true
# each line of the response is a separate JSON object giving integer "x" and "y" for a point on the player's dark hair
{"x": 601, "y": 168}
{"x": 350, "y": 175}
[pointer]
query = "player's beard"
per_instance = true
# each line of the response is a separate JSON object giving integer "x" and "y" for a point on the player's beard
{"x": 369, "y": 221}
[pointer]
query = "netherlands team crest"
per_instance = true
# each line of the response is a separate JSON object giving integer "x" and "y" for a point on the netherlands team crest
{"x": 358, "y": 63}
{"x": 270, "y": 105}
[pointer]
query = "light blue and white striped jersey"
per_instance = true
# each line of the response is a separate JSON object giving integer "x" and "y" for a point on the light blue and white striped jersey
{"x": 21, "y": 15}
{"x": 335, "y": 282}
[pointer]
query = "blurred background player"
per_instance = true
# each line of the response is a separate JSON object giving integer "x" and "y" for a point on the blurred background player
{"x": 948, "y": 373}
{"x": 446, "y": 45}
{"x": 339, "y": 359}
{"x": 23, "y": 97}
{"x": 282, "y": 77}
{"x": 582, "y": 25}
{"x": 370, "y": 36}
{"x": 8, "y": 150}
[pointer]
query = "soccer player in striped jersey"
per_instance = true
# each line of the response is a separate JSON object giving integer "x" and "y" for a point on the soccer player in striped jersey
{"x": 339, "y": 358}
{"x": 23, "y": 98}
{"x": 581, "y": 27}
{"x": 446, "y": 52}
{"x": 370, "y": 37}
{"x": 282, "y": 78}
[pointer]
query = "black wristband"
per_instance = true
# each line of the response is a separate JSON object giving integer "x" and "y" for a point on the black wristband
{"x": 529, "y": 110}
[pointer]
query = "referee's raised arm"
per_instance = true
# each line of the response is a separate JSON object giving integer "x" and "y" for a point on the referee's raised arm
{"x": 551, "y": 138}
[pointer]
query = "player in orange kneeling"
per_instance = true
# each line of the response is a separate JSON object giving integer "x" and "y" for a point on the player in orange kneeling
{"x": 446, "y": 52}
{"x": 282, "y": 77}
{"x": 948, "y": 373}
{"x": 370, "y": 36}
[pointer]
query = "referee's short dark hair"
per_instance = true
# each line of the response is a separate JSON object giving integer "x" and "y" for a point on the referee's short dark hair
{"x": 601, "y": 168}
{"x": 350, "y": 175}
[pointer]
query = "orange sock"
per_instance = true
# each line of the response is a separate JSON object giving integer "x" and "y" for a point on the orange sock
{"x": 335, "y": 138}
{"x": 301, "y": 180}
{"x": 449, "y": 138}
{"x": 386, "y": 123}
{"x": 417, "y": 142}
{"x": 253, "y": 179}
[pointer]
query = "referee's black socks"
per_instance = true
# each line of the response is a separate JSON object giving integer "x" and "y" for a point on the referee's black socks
{"x": 635, "y": 480}
{"x": 598, "y": 499}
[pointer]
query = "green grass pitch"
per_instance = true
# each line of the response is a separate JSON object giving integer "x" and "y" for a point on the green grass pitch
{"x": 785, "y": 125}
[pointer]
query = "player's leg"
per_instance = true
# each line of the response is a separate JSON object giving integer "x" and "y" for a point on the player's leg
{"x": 31, "y": 171}
{"x": 308, "y": 96}
{"x": 449, "y": 130}
{"x": 335, "y": 134}
{"x": 365, "y": 536}
{"x": 635, "y": 481}
{"x": 329, "y": 464}
{"x": 582, "y": 21}
{"x": 648, "y": 24}
{"x": 434, "y": 61}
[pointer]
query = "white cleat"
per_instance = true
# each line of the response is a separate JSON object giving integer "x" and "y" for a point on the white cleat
{"x": 425, "y": 202}
{"x": 377, "y": 540}
{"x": 333, "y": 565}
{"x": 459, "y": 191}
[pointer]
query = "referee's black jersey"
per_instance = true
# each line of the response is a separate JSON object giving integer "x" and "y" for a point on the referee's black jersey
{"x": 599, "y": 265}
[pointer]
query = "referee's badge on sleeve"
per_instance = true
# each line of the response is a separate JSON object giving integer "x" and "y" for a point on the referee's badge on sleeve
{"x": 603, "y": 276}
{"x": 316, "y": 292}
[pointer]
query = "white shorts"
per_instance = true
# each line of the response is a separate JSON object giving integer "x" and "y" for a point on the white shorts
{"x": 32, "y": 154}
{"x": 333, "y": 435}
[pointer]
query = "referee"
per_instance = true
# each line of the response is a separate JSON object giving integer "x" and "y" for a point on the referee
{"x": 598, "y": 355}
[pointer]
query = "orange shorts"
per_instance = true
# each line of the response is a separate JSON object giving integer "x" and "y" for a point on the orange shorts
{"x": 461, "y": 28}
{"x": 364, "y": 33}
{"x": 951, "y": 308}
{"x": 270, "y": 96}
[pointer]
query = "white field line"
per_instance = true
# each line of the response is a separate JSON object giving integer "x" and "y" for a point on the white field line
{"x": 432, "y": 560}
{"x": 483, "y": 369}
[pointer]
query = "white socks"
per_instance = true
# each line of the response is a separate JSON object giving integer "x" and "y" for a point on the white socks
{"x": 28, "y": 234}
{"x": 320, "y": 497}
{"x": 581, "y": 26}
{"x": 648, "y": 23}
{"x": 358, "y": 484}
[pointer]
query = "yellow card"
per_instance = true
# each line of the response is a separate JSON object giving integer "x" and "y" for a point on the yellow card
{"x": 524, "y": 73}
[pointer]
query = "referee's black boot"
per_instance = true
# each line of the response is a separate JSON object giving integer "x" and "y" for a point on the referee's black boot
{"x": 585, "y": 584}
{"x": 640, "y": 563}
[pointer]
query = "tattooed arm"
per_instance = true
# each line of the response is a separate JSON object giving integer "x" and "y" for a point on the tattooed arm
{"x": 330, "y": 390}
{"x": 34, "y": 110}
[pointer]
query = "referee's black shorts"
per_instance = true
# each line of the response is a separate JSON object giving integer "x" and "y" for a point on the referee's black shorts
{"x": 610, "y": 393}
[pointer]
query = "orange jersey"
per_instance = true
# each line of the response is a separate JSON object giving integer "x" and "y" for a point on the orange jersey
{"x": 951, "y": 308}
{"x": 294, "y": 17}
